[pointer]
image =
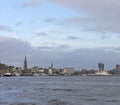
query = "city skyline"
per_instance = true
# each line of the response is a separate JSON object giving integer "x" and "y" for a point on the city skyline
{"x": 70, "y": 34}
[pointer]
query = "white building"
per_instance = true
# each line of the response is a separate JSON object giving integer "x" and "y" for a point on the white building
{"x": 68, "y": 71}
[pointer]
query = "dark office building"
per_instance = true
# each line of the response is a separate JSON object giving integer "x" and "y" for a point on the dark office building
{"x": 101, "y": 67}
{"x": 117, "y": 69}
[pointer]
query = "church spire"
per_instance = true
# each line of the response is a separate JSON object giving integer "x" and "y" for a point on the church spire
{"x": 25, "y": 63}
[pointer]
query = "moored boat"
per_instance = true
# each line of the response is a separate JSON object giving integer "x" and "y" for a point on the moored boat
{"x": 7, "y": 74}
{"x": 102, "y": 73}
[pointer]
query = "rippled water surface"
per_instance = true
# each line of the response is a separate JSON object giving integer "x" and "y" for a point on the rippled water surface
{"x": 56, "y": 90}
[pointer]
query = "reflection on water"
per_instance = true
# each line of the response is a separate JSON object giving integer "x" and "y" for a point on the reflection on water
{"x": 56, "y": 90}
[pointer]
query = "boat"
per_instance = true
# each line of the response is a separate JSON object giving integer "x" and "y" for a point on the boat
{"x": 7, "y": 75}
{"x": 102, "y": 73}
{"x": 36, "y": 74}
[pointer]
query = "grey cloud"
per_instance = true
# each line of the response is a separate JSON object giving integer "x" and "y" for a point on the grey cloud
{"x": 5, "y": 28}
{"x": 117, "y": 50}
{"x": 113, "y": 49}
{"x": 100, "y": 8}
{"x": 40, "y": 34}
{"x": 105, "y": 14}
{"x": 102, "y": 15}
{"x": 77, "y": 20}
{"x": 64, "y": 46}
{"x": 82, "y": 23}
{"x": 74, "y": 38}
{"x": 32, "y": 3}
{"x": 50, "y": 20}
{"x": 14, "y": 50}
{"x": 104, "y": 26}
{"x": 105, "y": 37}
{"x": 18, "y": 23}
{"x": 52, "y": 43}
{"x": 45, "y": 48}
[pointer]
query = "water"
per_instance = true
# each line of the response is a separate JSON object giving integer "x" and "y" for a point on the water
{"x": 56, "y": 90}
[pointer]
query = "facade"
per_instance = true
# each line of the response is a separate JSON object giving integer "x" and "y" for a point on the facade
{"x": 118, "y": 69}
{"x": 101, "y": 67}
{"x": 3, "y": 69}
{"x": 68, "y": 71}
{"x": 50, "y": 71}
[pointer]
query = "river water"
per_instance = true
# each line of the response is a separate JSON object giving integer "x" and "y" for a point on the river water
{"x": 58, "y": 90}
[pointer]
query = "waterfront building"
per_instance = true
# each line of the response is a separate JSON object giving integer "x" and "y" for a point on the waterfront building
{"x": 50, "y": 70}
{"x": 68, "y": 71}
{"x": 2, "y": 69}
{"x": 118, "y": 69}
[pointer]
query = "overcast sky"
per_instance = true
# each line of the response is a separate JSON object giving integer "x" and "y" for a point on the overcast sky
{"x": 69, "y": 33}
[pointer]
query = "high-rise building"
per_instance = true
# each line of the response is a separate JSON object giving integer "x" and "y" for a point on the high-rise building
{"x": 25, "y": 64}
{"x": 101, "y": 67}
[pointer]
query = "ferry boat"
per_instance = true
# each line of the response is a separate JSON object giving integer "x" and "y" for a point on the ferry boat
{"x": 7, "y": 74}
{"x": 102, "y": 73}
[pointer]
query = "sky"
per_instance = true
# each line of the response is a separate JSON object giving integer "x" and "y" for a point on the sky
{"x": 79, "y": 33}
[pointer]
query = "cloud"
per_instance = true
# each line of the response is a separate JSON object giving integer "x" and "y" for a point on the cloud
{"x": 102, "y": 14}
{"x": 74, "y": 38}
{"x": 49, "y": 19}
{"x": 13, "y": 52}
{"x": 18, "y": 23}
{"x": 113, "y": 49}
{"x": 105, "y": 37}
{"x": 40, "y": 34}
{"x": 5, "y": 28}
{"x": 32, "y": 3}
{"x": 45, "y": 48}
{"x": 77, "y": 20}
{"x": 64, "y": 46}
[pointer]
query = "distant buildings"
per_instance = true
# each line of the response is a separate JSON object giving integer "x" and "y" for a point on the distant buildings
{"x": 52, "y": 71}
{"x": 68, "y": 71}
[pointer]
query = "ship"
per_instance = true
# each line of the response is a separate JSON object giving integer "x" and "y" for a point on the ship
{"x": 7, "y": 74}
{"x": 102, "y": 73}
